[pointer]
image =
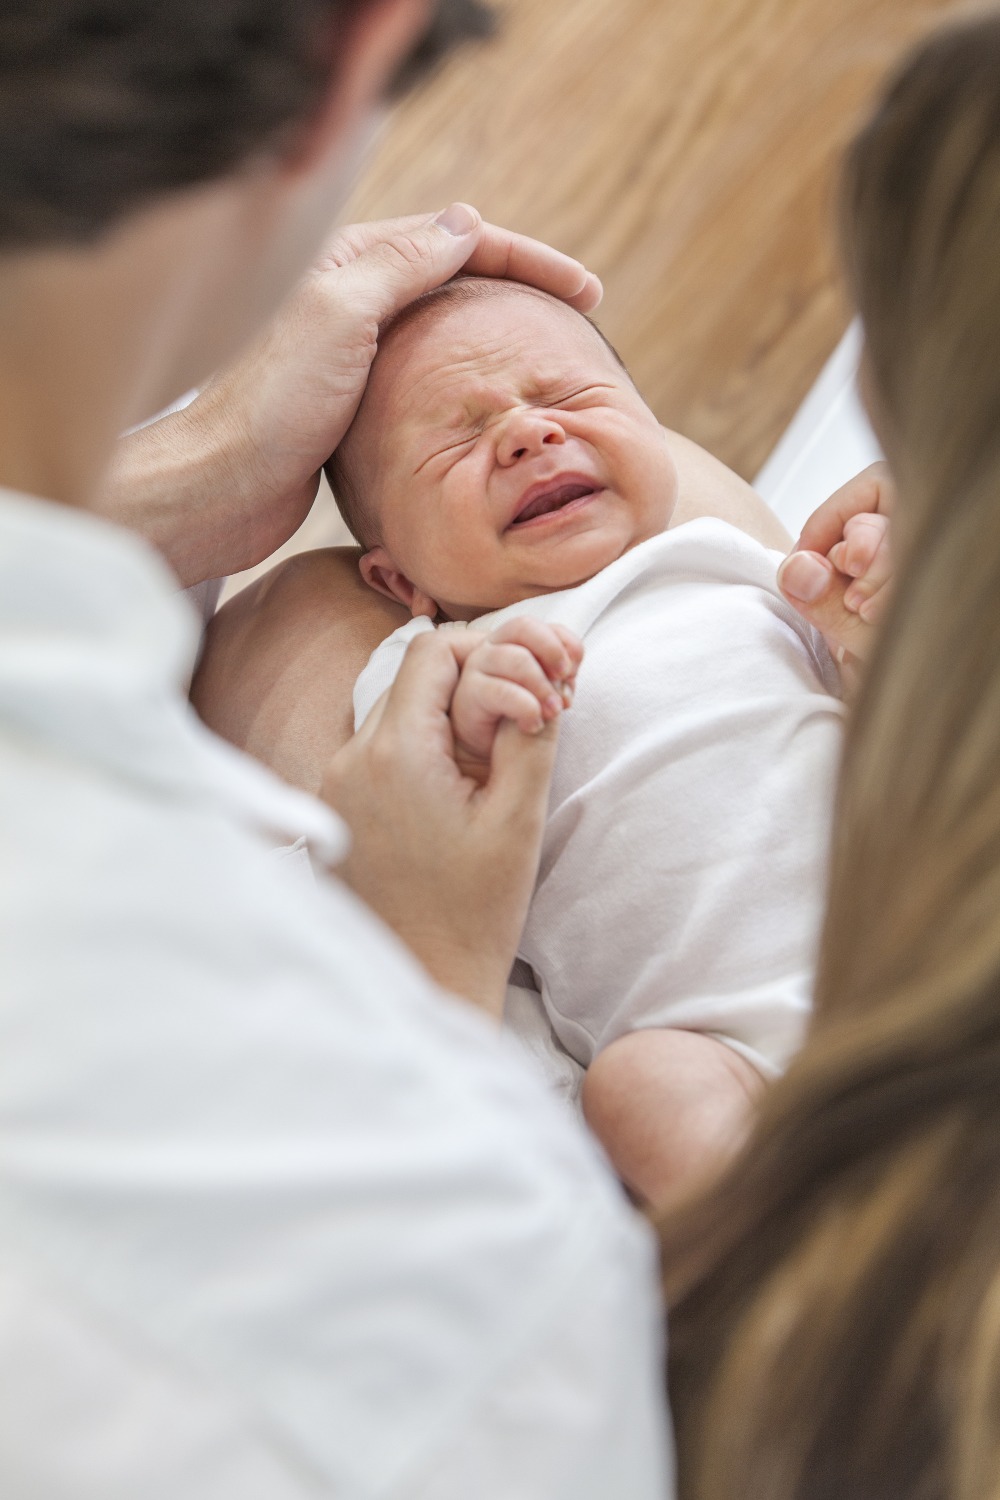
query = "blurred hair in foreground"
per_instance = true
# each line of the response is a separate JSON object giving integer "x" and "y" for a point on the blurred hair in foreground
{"x": 105, "y": 105}
{"x": 836, "y": 1322}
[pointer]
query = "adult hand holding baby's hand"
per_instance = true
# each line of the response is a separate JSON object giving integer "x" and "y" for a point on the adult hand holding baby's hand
{"x": 839, "y": 574}
{"x": 524, "y": 671}
{"x": 262, "y": 430}
{"x": 449, "y": 865}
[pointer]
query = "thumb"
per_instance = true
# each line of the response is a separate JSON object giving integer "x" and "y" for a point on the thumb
{"x": 413, "y": 259}
{"x": 520, "y": 773}
{"x": 812, "y": 585}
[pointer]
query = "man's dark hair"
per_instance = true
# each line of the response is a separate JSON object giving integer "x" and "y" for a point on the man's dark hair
{"x": 105, "y": 105}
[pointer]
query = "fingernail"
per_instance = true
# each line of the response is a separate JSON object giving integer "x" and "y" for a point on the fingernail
{"x": 855, "y": 597}
{"x": 554, "y": 704}
{"x": 804, "y": 577}
{"x": 566, "y": 690}
{"x": 458, "y": 220}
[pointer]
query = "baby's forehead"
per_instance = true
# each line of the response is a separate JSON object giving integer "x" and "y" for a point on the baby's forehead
{"x": 479, "y": 323}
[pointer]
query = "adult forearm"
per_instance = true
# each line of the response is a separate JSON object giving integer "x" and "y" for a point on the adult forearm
{"x": 186, "y": 483}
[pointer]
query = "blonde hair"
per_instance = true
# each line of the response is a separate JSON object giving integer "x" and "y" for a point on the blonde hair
{"x": 837, "y": 1322}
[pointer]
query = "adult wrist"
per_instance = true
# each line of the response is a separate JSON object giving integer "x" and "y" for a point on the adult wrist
{"x": 189, "y": 485}
{"x": 472, "y": 976}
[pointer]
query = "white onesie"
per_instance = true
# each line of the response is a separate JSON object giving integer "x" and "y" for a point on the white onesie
{"x": 683, "y": 867}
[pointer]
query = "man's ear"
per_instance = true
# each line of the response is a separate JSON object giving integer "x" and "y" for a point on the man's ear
{"x": 369, "y": 48}
{"x": 381, "y": 574}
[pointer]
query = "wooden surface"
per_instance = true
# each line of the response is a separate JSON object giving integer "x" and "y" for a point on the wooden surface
{"x": 687, "y": 150}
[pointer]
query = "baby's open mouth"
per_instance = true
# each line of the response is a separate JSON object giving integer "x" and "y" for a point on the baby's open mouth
{"x": 543, "y": 499}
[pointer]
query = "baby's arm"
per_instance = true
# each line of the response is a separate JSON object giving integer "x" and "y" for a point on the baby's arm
{"x": 525, "y": 670}
{"x": 670, "y": 1107}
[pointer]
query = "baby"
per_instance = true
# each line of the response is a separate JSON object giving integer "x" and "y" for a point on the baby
{"x": 503, "y": 473}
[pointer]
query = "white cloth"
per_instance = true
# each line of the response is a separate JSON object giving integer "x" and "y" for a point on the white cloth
{"x": 682, "y": 874}
{"x": 276, "y": 1218}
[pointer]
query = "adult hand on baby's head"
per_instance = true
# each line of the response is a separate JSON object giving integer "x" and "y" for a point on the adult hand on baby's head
{"x": 839, "y": 574}
{"x": 448, "y": 864}
{"x": 285, "y": 406}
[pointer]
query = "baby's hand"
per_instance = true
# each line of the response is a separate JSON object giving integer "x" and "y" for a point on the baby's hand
{"x": 525, "y": 671}
{"x": 839, "y": 574}
{"x": 864, "y": 555}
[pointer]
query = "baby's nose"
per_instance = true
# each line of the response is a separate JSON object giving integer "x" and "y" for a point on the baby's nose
{"x": 526, "y": 434}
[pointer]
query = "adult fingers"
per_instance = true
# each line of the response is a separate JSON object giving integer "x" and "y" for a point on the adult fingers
{"x": 814, "y": 587}
{"x": 870, "y": 491}
{"x": 392, "y": 263}
{"x": 499, "y": 252}
{"x": 517, "y": 792}
{"x": 410, "y": 259}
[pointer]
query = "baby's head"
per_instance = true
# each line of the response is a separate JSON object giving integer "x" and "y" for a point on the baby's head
{"x": 501, "y": 451}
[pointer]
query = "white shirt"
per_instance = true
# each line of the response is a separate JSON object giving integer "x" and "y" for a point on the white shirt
{"x": 683, "y": 869}
{"x": 277, "y": 1219}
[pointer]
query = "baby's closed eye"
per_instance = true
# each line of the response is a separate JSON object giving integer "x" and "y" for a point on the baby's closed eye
{"x": 454, "y": 448}
{"x": 584, "y": 396}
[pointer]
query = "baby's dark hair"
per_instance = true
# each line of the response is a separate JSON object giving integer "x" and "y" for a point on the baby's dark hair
{"x": 352, "y": 504}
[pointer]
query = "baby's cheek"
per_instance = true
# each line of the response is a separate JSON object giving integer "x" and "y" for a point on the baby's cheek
{"x": 646, "y": 475}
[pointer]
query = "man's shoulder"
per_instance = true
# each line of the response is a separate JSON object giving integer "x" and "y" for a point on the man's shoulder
{"x": 245, "y": 1129}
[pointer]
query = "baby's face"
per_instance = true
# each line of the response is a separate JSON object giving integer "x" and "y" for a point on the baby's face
{"x": 505, "y": 454}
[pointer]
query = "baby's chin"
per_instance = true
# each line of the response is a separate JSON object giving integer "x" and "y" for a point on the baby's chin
{"x": 566, "y": 562}
{"x": 558, "y": 565}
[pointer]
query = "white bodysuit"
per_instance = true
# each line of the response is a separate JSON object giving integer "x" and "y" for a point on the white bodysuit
{"x": 683, "y": 867}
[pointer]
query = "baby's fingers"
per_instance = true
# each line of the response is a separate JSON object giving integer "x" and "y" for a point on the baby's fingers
{"x": 816, "y": 589}
{"x": 572, "y": 643}
{"x": 517, "y": 664}
{"x": 499, "y": 698}
{"x": 869, "y": 555}
{"x": 865, "y": 537}
{"x": 557, "y": 649}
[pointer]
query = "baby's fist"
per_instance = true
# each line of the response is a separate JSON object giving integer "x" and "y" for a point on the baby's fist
{"x": 524, "y": 671}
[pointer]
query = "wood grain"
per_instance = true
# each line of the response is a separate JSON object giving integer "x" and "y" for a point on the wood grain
{"x": 687, "y": 150}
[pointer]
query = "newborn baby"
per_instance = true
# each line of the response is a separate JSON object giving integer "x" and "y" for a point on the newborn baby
{"x": 504, "y": 474}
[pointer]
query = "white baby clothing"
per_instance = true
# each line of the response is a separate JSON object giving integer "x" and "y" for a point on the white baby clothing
{"x": 682, "y": 872}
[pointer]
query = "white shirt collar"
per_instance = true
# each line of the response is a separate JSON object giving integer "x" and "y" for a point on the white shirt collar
{"x": 96, "y": 652}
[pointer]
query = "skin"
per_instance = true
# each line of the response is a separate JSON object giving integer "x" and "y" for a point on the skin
{"x": 839, "y": 575}
{"x": 94, "y": 337}
{"x": 277, "y": 677}
{"x": 470, "y": 407}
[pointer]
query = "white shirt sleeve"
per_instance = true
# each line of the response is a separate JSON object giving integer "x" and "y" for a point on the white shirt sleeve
{"x": 277, "y": 1218}
{"x": 275, "y": 1166}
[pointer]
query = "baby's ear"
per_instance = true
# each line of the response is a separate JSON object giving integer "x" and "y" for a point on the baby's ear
{"x": 381, "y": 574}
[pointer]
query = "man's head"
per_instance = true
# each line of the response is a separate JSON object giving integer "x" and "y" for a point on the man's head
{"x": 105, "y": 105}
{"x": 501, "y": 451}
{"x": 168, "y": 170}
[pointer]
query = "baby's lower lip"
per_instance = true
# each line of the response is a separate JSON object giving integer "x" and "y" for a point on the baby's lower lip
{"x": 571, "y": 508}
